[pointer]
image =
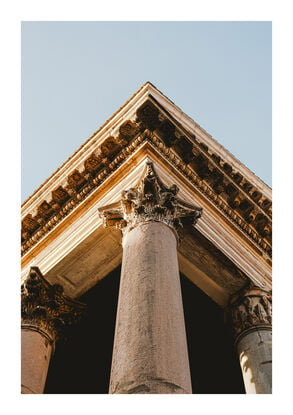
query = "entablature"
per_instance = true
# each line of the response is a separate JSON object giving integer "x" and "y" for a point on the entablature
{"x": 237, "y": 205}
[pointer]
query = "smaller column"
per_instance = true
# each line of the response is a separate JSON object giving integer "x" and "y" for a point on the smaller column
{"x": 44, "y": 312}
{"x": 251, "y": 314}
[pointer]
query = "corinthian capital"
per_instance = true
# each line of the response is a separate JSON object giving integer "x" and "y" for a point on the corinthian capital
{"x": 44, "y": 306}
{"x": 150, "y": 200}
{"x": 252, "y": 308}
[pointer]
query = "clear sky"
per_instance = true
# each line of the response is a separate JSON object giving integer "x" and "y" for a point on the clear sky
{"x": 75, "y": 75}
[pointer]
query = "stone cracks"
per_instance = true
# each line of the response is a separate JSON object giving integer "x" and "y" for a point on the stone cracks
{"x": 45, "y": 308}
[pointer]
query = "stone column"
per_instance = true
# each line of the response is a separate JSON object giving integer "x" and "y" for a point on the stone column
{"x": 252, "y": 323}
{"x": 44, "y": 311}
{"x": 150, "y": 350}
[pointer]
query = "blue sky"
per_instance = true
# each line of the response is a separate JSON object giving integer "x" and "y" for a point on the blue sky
{"x": 75, "y": 75}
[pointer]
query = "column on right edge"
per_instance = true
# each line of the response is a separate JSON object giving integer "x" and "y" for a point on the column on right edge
{"x": 251, "y": 313}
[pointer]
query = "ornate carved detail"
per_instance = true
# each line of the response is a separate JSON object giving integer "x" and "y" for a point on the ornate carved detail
{"x": 252, "y": 308}
{"x": 127, "y": 132}
{"x": 184, "y": 147}
{"x": 261, "y": 224}
{"x": 76, "y": 180}
{"x": 148, "y": 114}
{"x": 29, "y": 225}
{"x": 200, "y": 165}
{"x": 93, "y": 164}
{"x": 32, "y": 236}
{"x": 44, "y": 306}
{"x": 244, "y": 185}
{"x": 267, "y": 206}
{"x": 217, "y": 199}
{"x": 239, "y": 200}
{"x": 109, "y": 148}
{"x": 217, "y": 181}
{"x": 150, "y": 200}
{"x": 45, "y": 210}
{"x": 60, "y": 196}
{"x": 166, "y": 131}
{"x": 237, "y": 177}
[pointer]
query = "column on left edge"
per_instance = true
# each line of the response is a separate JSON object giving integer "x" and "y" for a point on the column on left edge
{"x": 45, "y": 310}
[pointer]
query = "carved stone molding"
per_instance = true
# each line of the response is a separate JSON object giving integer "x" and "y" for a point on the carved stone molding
{"x": 251, "y": 309}
{"x": 150, "y": 200}
{"x": 230, "y": 191}
{"x": 45, "y": 308}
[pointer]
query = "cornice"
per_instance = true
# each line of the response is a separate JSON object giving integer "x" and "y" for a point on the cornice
{"x": 214, "y": 146}
{"x": 240, "y": 201}
{"x": 217, "y": 199}
{"x": 82, "y": 232}
{"x": 88, "y": 146}
{"x": 127, "y": 111}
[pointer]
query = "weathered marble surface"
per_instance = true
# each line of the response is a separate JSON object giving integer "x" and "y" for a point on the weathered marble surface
{"x": 150, "y": 350}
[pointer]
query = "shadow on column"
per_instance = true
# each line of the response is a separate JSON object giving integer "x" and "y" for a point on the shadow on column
{"x": 82, "y": 363}
{"x": 214, "y": 364}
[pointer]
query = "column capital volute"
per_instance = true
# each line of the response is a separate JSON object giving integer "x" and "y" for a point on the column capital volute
{"x": 250, "y": 309}
{"x": 150, "y": 200}
{"x": 45, "y": 308}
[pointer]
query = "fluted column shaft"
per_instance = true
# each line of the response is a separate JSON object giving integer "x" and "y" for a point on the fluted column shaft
{"x": 252, "y": 319}
{"x": 150, "y": 351}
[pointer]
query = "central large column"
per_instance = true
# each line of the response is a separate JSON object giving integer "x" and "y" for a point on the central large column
{"x": 150, "y": 350}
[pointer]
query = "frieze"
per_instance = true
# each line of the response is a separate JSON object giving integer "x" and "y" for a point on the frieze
{"x": 252, "y": 308}
{"x": 59, "y": 197}
{"x": 166, "y": 131}
{"x": 265, "y": 245}
{"x": 109, "y": 148}
{"x": 148, "y": 116}
{"x": 127, "y": 132}
{"x": 45, "y": 307}
{"x": 226, "y": 188}
{"x": 93, "y": 164}
{"x": 76, "y": 180}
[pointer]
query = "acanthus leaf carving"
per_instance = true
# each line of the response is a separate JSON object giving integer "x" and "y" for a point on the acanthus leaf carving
{"x": 44, "y": 306}
{"x": 252, "y": 308}
{"x": 150, "y": 200}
